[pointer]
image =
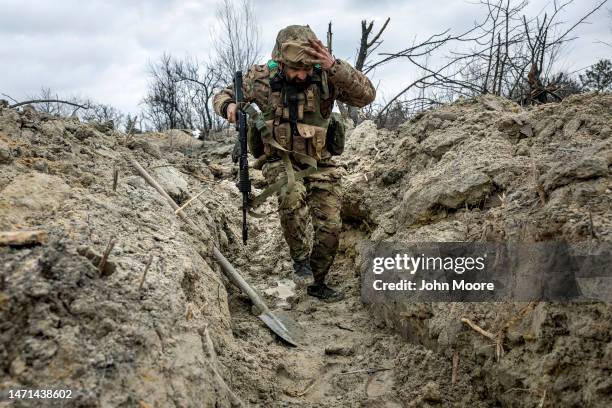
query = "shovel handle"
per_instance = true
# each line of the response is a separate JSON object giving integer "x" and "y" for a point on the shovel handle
{"x": 227, "y": 267}
{"x": 239, "y": 281}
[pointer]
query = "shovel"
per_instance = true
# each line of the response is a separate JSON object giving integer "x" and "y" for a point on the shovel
{"x": 279, "y": 323}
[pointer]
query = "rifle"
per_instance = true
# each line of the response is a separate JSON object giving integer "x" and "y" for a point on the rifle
{"x": 244, "y": 183}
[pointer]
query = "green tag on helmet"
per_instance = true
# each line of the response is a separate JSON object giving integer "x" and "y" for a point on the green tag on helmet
{"x": 317, "y": 66}
{"x": 272, "y": 64}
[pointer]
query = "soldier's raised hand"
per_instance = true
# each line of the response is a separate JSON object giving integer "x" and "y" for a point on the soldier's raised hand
{"x": 231, "y": 112}
{"x": 320, "y": 54}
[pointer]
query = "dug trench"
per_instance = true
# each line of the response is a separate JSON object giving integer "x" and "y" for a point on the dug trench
{"x": 480, "y": 169}
{"x": 348, "y": 357}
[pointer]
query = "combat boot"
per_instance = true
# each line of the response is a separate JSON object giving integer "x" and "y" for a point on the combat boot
{"x": 324, "y": 292}
{"x": 302, "y": 273}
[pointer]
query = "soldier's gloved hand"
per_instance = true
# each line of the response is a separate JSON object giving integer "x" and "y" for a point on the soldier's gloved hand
{"x": 320, "y": 54}
{"x": 231, "y": 112}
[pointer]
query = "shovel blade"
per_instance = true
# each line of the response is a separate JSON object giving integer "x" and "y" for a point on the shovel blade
{"x": 284, "y": 326}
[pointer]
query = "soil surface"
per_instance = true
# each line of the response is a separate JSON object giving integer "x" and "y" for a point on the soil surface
{"x": 482, "y": 169}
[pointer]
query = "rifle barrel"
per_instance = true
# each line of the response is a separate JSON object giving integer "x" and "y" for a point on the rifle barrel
{"x": 244, "y": 183}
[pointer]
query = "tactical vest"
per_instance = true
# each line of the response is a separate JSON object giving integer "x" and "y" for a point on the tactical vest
{"x": 312, "y": 138}
{"x": 307, "y": 137}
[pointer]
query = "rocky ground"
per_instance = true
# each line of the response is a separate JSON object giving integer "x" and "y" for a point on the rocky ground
{"x": 478, "y": 170}
{"x": 487, "y": 170}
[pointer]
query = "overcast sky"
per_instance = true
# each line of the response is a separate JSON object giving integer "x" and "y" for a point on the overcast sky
{"x": 100, "y": 49}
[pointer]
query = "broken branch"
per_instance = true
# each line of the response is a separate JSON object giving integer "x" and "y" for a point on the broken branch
{"x": 478, "y": 329}
{"x": 18, "y": 238}
{"x": 107, "y": 251}
{"x": 366, "y": 371}
{"x": 233, "y": 397}
{"x": 144, "y": 273}
{"x": 455, "y": 368}
{"x": 15, "y": 105}
{"x": 210, "y": 348}
{"x": 189, "y": 202}
{"x": 115, "y": 177}
{"x": 338, "y": 325}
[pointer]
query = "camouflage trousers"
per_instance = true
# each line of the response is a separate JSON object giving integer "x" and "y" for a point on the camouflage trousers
{"x": 315, "y": 198}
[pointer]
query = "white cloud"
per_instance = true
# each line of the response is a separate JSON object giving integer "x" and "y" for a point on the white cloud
{"x": 101, "y": 48}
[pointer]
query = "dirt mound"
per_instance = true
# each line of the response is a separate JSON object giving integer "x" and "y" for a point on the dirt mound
{"x": 67, "y": 325}
{"x": 479, "y": 169}
{"x": 485, "y": 169}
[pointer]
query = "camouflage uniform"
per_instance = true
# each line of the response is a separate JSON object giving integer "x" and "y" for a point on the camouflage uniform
{"x": 316, "y": 196}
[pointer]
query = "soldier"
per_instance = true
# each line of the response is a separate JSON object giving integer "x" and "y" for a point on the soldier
{"x": 295, "y": 92}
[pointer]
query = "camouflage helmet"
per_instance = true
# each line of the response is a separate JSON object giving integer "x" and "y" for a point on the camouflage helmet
{"x": 294, "y": 38}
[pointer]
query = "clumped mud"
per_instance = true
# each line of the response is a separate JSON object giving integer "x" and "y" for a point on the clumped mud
{"x": 479, "y": 169}
{"x": 484, "y": 170}
{"x": 68, "y": 326}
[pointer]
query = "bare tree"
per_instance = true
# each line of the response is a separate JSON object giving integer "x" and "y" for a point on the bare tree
{"x": 164, "y": 102}
{"x": 103, "y": 113}
{"x": 132, "y": 125}
{"x": 236, "y": 40}
{"x": 179, "y": 95}
{"x": 507, "y": 54}
{"x": 329, "y": 37}
{"x": 201, "y": 81}
{"x": 50, "y": 102}
{"x": 598, "y": 77}
{"x": 367, "y": 45}
{"x": 342, "y": 107}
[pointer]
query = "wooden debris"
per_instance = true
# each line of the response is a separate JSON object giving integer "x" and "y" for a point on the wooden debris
{"x": 477, "y": 328}
{"x": 455, "y": 368}
{"x": 189, "y": 312}
{"x": 32, "y": 101}
{"x": 115, "y": 177}
{"x": 499, "y": 345}
{"x": 21, "y": 238}
{"x": 497, "y": 338}
{"x": 591, "y": 229}
{"x": 144, "y": 273}
{"x": 306, "y": 390}
{"x": 210, "y": 348}
{"x": 189, "y": 202}
{"x": 339, "y": 350}
{"x": 212, "y": 363}
{"x": 95, "y": 258}
{"x": 235, "y": 401}
{"x": 340, "y": 326}
{"x": 129, "y": 137}
{"x": 201, "y": 178}
{"x": 366, "y": 371}
{"x": 543, "y": 400}
{"x": 107, "y": 251}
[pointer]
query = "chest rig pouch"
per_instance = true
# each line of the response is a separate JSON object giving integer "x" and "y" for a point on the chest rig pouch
{"x": 295, "y": 119}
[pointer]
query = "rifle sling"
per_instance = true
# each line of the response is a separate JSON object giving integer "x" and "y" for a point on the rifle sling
{"x": 279, "y": 184}
{"x": 292, "y": 175}
{"x": 267, "y": 137}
